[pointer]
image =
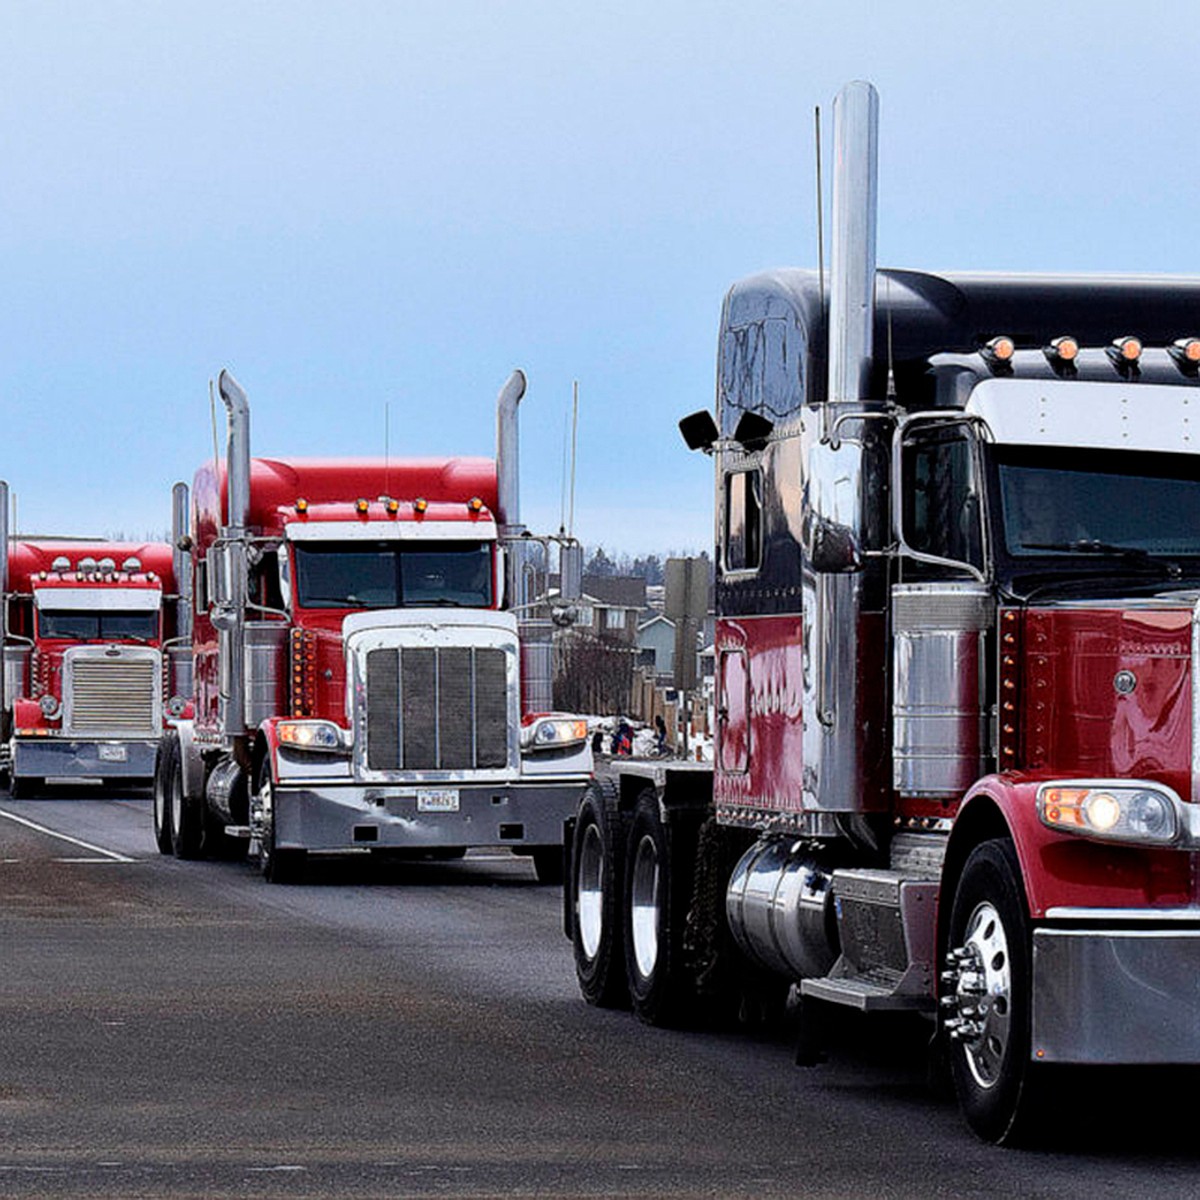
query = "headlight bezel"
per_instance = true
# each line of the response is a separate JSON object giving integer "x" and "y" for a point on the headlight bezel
{"x": 554, "y": 733}
{"x": 310, "y": 735}
{"x": 1132, "y": 812}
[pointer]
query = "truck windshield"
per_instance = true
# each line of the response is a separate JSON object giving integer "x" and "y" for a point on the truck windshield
{"x": 393, "y": 574}
{"x": 1098, "y": 502}
{"x": 95, "y": 626}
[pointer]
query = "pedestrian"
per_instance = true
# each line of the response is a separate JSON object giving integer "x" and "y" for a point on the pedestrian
{"x": 660, "y": 734}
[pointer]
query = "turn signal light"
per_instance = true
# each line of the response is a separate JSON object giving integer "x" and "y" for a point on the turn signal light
{"x": 1125, "y": 351}
{"x": 999, "y": 351}
{"x": 1186, "y": 354}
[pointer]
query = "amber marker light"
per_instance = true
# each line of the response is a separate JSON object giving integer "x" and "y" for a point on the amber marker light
{"x": 1125, "y": 352}
{"x": 420, "y": 505}
{"x": 475, "y": 504}
{"x": 999, "y": 351}
{"x": 1185, "y": 353}
{"x": 1061, "y": 352}
{"x": 393, "y": 507}
{"x": 302, "y": 506}
{"x": 361, "y": 507}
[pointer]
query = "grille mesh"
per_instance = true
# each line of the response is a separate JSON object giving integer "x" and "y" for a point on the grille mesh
{"x": 431, "y": 709}
{"x": 113, "y": 696}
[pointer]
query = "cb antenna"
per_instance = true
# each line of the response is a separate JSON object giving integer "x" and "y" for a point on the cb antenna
{"x": 574, "y": 440}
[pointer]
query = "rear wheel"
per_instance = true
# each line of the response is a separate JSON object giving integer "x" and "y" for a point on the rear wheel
{"x": 168, "y": 750}
{"x": 23, "y": 787}
{"x": 656, "y": 894}
{"x": 987, "y": 996}
{"x": 278, "y": 866}
{"x": 186, "y": 813}
{"x": 597, "y": 872}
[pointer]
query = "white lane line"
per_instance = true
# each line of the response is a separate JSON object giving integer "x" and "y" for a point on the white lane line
{"x": 109, "y": 855}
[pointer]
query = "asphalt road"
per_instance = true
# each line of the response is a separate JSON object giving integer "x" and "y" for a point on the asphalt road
{"x": 185, "y": 1029}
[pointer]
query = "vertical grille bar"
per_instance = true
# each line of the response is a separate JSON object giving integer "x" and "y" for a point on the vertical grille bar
{"x": 383, "y": 706}
{"x": 418, "y": 679}
{"x": 455, "y": 708}
{"x": 491, "y": 712}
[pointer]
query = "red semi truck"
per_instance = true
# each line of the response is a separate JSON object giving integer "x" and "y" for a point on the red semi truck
{"x": 93, "y": 663}
{"x": 957, "y": 756}
{"x": 372, "y": 662}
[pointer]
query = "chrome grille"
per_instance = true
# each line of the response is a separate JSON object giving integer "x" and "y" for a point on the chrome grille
{"x": 111, "y": 697}
{"x": 437, "y": 709}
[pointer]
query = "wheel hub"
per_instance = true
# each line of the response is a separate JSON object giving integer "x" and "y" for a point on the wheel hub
{"x": 977, "y": 994}
{"x": 589, "y": 897}
{"x": 644, "y": 903}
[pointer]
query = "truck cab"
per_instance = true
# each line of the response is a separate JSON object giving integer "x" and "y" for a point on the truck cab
{"x": 957, "y": 662}
{"x": 87, "y": 661}
{"x": 371, "y": 674}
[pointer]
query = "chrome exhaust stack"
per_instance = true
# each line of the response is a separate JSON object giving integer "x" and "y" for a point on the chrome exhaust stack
{"x": 229, "y": 616}
{"x": 508, "y": 455}
{"x": 852, "y": 257}
{"x": 181, "y": 562}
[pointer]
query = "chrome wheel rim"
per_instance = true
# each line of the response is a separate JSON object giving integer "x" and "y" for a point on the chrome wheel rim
{"x": 589, "y": 897}
{"x": 983, "y": 991}
{"x": 643, "y": 905}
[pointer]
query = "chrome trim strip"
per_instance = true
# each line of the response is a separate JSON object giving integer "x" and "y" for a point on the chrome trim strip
{"x": 1122, "y": 916}
{"x": 473, "y": 529}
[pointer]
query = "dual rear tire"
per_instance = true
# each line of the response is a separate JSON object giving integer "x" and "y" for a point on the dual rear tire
{"x": 630, "y": 887}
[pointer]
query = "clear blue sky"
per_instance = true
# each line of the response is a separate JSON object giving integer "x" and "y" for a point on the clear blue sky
{"x": 355, "y": 205}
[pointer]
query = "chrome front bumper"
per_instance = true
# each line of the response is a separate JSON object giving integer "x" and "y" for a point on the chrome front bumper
{"x": 1125, "y": 990}
{"x": 333, "y": 817}
{"x": 71, "y": 758}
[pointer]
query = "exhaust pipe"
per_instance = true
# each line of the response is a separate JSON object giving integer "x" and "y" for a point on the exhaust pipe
{"x": 852, "y": 258}
{"x": 181, "y": 562}
{"x": 237, "y": 453}
{"x": 508, "y": 455}
{"x": 232, "y": 628}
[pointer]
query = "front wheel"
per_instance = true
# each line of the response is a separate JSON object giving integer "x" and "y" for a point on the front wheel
{"x": 186, "y": 813}
{"x": 278, "y": 866}
{"x": 987, "y": 995}
{"x": 168, "y": 749}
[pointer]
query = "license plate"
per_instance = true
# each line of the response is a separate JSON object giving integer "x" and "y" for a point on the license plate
{"x": 112, "y": 754}
{"x": 435, "y": 800}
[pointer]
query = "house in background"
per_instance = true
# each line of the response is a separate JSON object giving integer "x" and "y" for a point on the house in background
{"x": 656, "y": 647}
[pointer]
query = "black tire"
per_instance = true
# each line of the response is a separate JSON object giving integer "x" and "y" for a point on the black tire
{"x": 168, "y": 750}
{"x": 548, "y": 865}
{"x": 656, "y": 895}
{"x": 596, "y": 883}
{"x": 987, "y": 978}
{"x": 277, "y": 866}
{"x": 187, "y": 814}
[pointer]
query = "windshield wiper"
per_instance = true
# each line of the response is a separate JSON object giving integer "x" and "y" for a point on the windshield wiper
{"x": 1091, "y": 546}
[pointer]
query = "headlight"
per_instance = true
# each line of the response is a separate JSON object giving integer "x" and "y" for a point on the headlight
{"x": 1147, "y": 814}
{"x": 554, "y": 732}
{"x": 309, "y": 735}
{"x": 49, "y": 706}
